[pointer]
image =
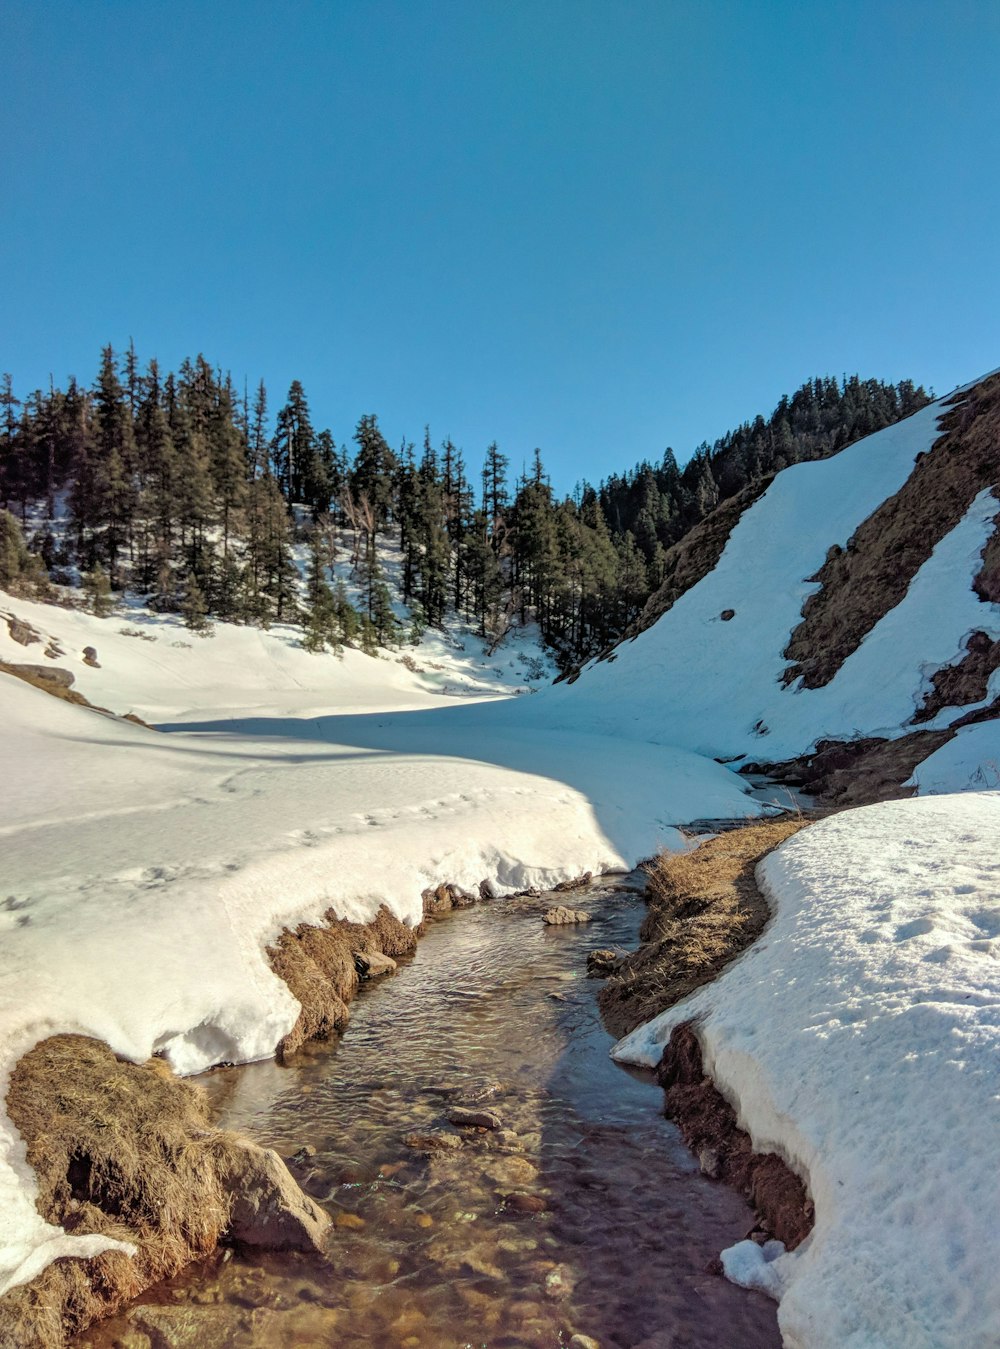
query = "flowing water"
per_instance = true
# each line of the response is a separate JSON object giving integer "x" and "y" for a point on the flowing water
{"x": 583, "y": 1214}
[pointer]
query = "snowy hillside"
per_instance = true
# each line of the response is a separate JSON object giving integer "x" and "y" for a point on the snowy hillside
{"x": 711, "y": 673}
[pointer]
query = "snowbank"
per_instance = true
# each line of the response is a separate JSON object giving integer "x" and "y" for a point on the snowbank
{"x": 969, "y": 762}
{"x": 144, "y": 872}
{"x": 860, "y": 1038}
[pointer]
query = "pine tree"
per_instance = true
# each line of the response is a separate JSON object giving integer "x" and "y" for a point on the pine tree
{"x": 194, "y": 608}
{"x": 97, "y": 585}
{"x": 293, "y": 444}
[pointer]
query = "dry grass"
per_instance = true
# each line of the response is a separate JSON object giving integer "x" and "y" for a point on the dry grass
{"x": 50, "y": 686}
{"x": 317, "y": 964}
{"x": 119, "y": 1149}
{"x": 704, "y": 909}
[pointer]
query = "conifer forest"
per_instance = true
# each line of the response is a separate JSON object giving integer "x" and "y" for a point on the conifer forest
{"x": 197, "y": 496}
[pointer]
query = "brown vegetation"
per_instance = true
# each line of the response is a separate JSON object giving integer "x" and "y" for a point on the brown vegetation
{"x": 122, "y": 1150}
{"x": 704, "y": 909}
{"x": 318, "y": 964}
{"x": 860, "y": 584}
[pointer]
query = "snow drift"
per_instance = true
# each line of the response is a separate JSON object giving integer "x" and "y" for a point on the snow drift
{"x": 859, "y": 1039}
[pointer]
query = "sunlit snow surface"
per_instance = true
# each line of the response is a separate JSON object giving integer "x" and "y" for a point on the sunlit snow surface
{"x": 145, "y": 872}
{"x": 860, "y": 1038}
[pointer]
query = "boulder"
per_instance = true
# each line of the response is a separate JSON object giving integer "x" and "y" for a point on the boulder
{"x": 560, "y": 916}
{"x": 268, "y": 1209}
{"x": 50, "y": 674}
{"x": 370, "y": 964}
{"x": 474, "y": 1119}
{"x": 90, "y": 657}
{"x": 602, "y": 962}
{"x": 577, "y": 883}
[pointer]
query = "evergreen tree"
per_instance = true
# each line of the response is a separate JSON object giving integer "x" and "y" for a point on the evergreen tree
{"x": 194, "y": 607}
{"x": 97, "y": 585}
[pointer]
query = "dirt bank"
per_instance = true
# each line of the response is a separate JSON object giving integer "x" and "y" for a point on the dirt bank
{"x": 705, "y": 909}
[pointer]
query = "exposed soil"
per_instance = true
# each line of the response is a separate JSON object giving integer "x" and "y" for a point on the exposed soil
{"x": 708, "y": 1124}
{"x": 965, "y": 682}
{"x": 704, "y": 909}
{"x": 844, "y": 773}
{"x": 861, "y": 583}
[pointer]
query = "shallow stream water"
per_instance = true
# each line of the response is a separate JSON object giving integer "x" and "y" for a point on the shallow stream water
{"x": 583, "y": 1214}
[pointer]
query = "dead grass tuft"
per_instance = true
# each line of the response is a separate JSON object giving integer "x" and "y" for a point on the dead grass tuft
{"x": 119, "y": 1149}
{"x": 317, "y": 964}
{"x": 704, "y": 909}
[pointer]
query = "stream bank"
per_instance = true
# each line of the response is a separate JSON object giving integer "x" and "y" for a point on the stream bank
{"x": 581, "y": 1214}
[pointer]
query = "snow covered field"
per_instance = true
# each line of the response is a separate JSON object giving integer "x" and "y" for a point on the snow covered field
{"x": 145, "y": 872}
{"x": 860, "y": 1038}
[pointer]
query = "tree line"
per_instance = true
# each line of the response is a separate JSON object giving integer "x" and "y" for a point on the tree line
{"x": 185, "y": 491}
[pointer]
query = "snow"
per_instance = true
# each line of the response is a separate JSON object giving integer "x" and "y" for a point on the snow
{"x": 969, "y": 762}
{"x": 146, "y": 871}
{"x": 859, "y": 1039}
{"x": 716, "y": 686}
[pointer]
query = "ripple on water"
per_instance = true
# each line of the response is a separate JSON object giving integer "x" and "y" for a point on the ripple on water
{"x": 583, "y": 1213}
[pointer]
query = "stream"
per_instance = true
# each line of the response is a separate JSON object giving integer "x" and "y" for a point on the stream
{"x": 583, "y": 1214}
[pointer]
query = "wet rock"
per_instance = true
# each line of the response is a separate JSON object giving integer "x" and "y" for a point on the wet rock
{"x": 487, "y": 890}
{"x": 489, "y": 1091}
{"x": 268, "y": 1208}
{"x": 473, "y": 1119}
{"x": 433, "y": 1142}
{"x": 194, "y": 1327}
{"x": 727, "y": 614}
{"x": 602, "y": 962}
{"x": 303, "y": 1155}
{"x": 90, "y": 657}
{"x": 560, "y": 916}
{"x": 583, "y": 1342}
{"x": 349, "y": 1222}
{"x": 370, "y": 964}
{"x": 578, "y": 883}
{"x": 710, "y": 1162}
{"x": 511, "y": 1173}
{"x": 518, "y": 1202}
{"x": 559, "y": 1282}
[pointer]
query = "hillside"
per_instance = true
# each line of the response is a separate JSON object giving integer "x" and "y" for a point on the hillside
{"x": 846, "y": 604}
{"x": 839, "y": 623}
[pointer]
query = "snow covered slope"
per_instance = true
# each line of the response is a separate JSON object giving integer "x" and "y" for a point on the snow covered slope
{"x": 708, "y": 674}
{"x": 860, "y": 1038}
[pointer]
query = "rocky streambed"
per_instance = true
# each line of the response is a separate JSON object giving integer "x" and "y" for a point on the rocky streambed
{"x": 493, "y": 1178}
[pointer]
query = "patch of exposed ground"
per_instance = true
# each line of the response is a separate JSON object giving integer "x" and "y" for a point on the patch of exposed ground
{"x": 704, "y": 909}
{"x": 987, "y": 583}
{"x": 861, "y": 583}
{"x": 857, "y": 772}
{"x": 708, "y": 1124}
{"x": 965, "y": 682}
{"x": 690, "y": 560}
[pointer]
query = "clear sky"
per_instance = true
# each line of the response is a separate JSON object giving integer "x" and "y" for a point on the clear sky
{"x": 596, "y": 227}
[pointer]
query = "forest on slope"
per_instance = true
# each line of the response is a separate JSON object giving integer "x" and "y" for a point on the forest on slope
{"x": 179, "y": 489}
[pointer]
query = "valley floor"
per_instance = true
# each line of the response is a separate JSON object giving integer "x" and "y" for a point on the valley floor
{"x": 145, "y": 871}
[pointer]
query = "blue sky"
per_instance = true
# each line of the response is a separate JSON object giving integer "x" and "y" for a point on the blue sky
{"x": 599, "y": 228}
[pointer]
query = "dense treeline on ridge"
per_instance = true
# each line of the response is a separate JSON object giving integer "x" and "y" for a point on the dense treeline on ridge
{"x": 182, "y": 490}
